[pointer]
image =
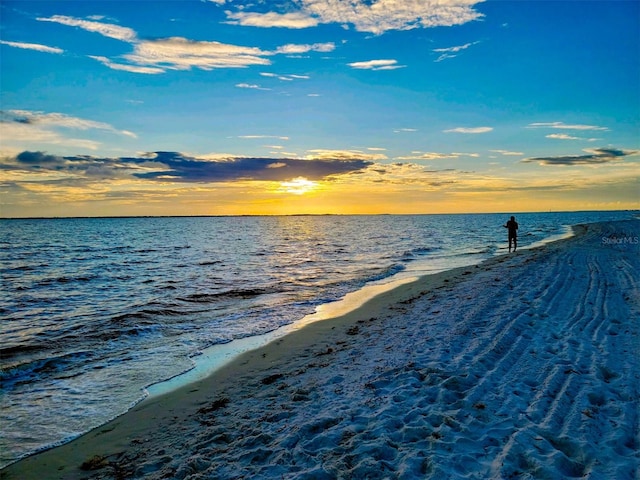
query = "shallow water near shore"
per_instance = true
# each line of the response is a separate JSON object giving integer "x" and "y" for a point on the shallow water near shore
{"x": 96, "y": 310}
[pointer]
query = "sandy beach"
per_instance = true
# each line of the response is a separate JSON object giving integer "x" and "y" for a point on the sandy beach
{"x": 525, "y": 366}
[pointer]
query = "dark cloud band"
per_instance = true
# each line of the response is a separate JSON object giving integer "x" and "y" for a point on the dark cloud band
{"x": 596, "y": 156}
{"x": 176, "y": 167}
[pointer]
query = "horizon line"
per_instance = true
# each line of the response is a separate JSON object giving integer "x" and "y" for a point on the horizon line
{"x": 83, "y": 217}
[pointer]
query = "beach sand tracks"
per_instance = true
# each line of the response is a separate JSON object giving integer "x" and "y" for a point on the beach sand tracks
{"x": 577, "y": 407}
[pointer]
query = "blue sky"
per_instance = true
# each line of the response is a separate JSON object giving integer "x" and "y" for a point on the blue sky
{"x": 318, "y": 106}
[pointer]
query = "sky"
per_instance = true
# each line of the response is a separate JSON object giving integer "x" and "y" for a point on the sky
{"x": 226, "y": 107}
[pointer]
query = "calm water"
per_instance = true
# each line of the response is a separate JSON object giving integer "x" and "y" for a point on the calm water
{"x": 95, "y": 310}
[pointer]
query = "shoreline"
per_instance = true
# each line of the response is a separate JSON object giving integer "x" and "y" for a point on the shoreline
{"x": 254, "y": 380}
{"x": 414, "y": 266}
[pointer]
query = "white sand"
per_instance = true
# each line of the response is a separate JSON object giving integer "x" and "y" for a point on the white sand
{"x": 527, "y": 366}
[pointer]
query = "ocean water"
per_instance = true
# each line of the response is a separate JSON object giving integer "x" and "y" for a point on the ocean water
{"x": 94, "y": 311}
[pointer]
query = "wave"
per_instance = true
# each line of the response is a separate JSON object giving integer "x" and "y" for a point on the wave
{"x": 210, "y": 262}
{"x": 387, "y": 272}
{"x": 418, "y": 252}
{"x": 145, "y": 314}
{"x": 241, "y": 293}
{"x": 6, "y": 352}
{"x": 30, "y": 370}
{"x": 65, "y": 279}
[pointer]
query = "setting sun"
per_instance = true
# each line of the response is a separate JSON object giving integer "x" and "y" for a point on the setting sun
{"x": 298, "y": 186}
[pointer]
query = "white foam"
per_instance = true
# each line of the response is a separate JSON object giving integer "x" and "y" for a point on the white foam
{"x": 213, "y": 358}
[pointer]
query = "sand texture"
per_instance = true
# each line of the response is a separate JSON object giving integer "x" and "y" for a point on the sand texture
{"x": 526, "y": 366}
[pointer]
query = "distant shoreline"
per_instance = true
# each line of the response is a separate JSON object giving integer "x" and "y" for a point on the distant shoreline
{"x": 312, "y": 215}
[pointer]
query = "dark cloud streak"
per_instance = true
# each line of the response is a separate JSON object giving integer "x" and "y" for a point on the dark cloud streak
{"x": 37, "y": 158}
{"x": 176, "y": 167}
{"x": 595, "y": 157}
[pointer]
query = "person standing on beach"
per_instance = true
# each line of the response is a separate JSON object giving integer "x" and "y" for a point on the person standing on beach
{"x": 512, "y": 226}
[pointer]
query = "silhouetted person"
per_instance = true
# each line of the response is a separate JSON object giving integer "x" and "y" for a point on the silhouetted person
{"x": 512, "y": 226}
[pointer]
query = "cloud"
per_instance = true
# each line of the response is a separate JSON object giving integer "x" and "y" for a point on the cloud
{"x": 473, "y": 130}
{"x": 32, "y": 46}
{"x": 126, "y": 68}
{"x": 415, "y": 156}
{"x": 403, "y": 175}
{"x": 285, "y": 77}
{"x": 369, "y": 16}
{"x": 177, "y": 53}
{"x": 176, "y": 167}
{"x": 295, "y": 20}
{"x": 253, "y": 137}
{"x": 154, "y": 56}
{"x": 564, "y": 126}
{"x": 251, "y": 86}
{"x": 594, "y": 157}
{"x": 429, "y": 156}
{"x": 562, "y": 136}
{"x": 277, "y": 165}
{"x": 345, "y": 155}
{"x": 56, "y": 120}
{"x": 508, "y": 153}
{"x": 450, "y": 51}
{"x": 77, "y": 169}
{"x": 405, "y": 130}
{"x": 106, "y": 29}
{"x": 376, "y": 65}
{"x": 37, "y": 158}
{"x": 17, "y": 134}
{"x": 296, "y": 49}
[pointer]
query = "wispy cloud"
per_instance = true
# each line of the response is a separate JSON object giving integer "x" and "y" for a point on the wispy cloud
{"x": 376, "y": 65}
{"x": 257, "y": 137}
{"x": 285, "y": 77}
{"x": 295, "y": 20}
{"x": 126, "y": 67}
{"x": 451, "y": 52}
{"x": 346, "y": 155}
{"x": 508, "y": 153}
{"x": 564, "y": 136}
{"x": 365, "y": 16}
{"x": 56, "y": 120}
{"x": 179, "y": 53}
{"x": 564, "y": 126}
{"x": 429, "y": 156}
{"x": 417, "y": 155}
{"x": 16, "y": 135}
{"x": 25, "y": 127}
{"x": 106, "y": 29}
{"x": 594, "y": 156}
{"x": 32, "y": 46}
{"x": 296, "y": 49}
{"x": 405, "y": 130}
{"x": 252, "y": 86}
{"x": 154, "y": 56}
{"x": 469, "y": 130}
